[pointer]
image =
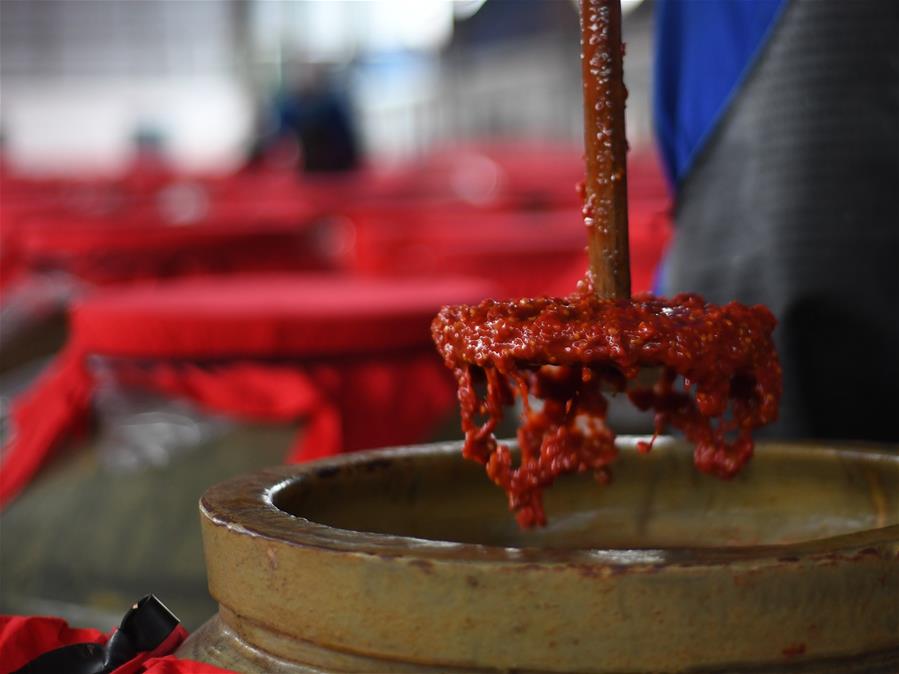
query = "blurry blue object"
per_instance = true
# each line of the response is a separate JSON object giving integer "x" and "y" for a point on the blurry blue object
{"x": 704, "y": 49}
{"x": 319, "y": 115}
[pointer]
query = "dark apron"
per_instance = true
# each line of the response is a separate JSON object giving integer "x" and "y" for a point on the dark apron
{"x": 794, "y": 203}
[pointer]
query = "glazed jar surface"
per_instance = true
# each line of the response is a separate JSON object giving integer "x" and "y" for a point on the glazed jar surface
{"x": 407, "y": 560}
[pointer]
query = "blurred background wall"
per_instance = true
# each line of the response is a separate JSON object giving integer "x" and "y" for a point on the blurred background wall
{"x": 81, "y": 80}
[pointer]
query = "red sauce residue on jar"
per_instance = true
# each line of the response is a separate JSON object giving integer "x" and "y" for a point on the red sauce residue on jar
{"x": 719, "y": 378}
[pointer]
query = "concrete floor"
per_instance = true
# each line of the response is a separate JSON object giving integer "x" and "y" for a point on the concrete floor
{"x": 83, "y": 542}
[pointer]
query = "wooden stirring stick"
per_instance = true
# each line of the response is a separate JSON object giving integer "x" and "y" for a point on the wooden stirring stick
{"x": 605, "y": 145}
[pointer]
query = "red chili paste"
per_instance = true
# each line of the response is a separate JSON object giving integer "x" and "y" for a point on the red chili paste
{"x": 719, "y": 379}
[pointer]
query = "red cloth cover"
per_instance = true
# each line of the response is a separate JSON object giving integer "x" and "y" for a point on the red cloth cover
{"x": 114, "y": 231}
{"x": 355, "y": 360}
{"x": 524, "y": 254}
{"x": 24, "y": 638}
{"x": 113, "y": 252}
{"x": 524, "y": 251}
{"x": 516, "y": 174}
{"x": 266, "y": 316}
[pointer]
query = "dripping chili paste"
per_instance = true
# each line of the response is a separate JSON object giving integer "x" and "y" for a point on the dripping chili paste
{"x": 719, "y": 378}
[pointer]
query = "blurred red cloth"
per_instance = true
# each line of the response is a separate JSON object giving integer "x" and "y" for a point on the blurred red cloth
{"x": 353, "y": 357}
{"x": 516, "y": 174}
{"x": 24, "y": 638}
{"x": 106, "y": 231}
{"x": 523, "y": 253}
{"x": 113, "y": 230}
{"x": 525, "y": 248}
{"x": 109, "y": 250}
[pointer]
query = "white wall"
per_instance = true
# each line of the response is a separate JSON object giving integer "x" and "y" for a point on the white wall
{"x": 89, "y": 124}
{"x": 78, "y": 78}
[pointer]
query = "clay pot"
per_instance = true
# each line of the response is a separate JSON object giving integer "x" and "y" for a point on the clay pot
{"x": 407, "y": 560}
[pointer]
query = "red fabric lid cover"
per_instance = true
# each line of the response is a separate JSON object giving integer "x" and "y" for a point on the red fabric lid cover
{"x": 266, "y": 316}
{"x": 380, "y": 382}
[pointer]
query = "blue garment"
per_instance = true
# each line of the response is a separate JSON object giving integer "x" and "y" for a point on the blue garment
{"x": 320, "y": 119}
{"x": 704, "y": 49}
